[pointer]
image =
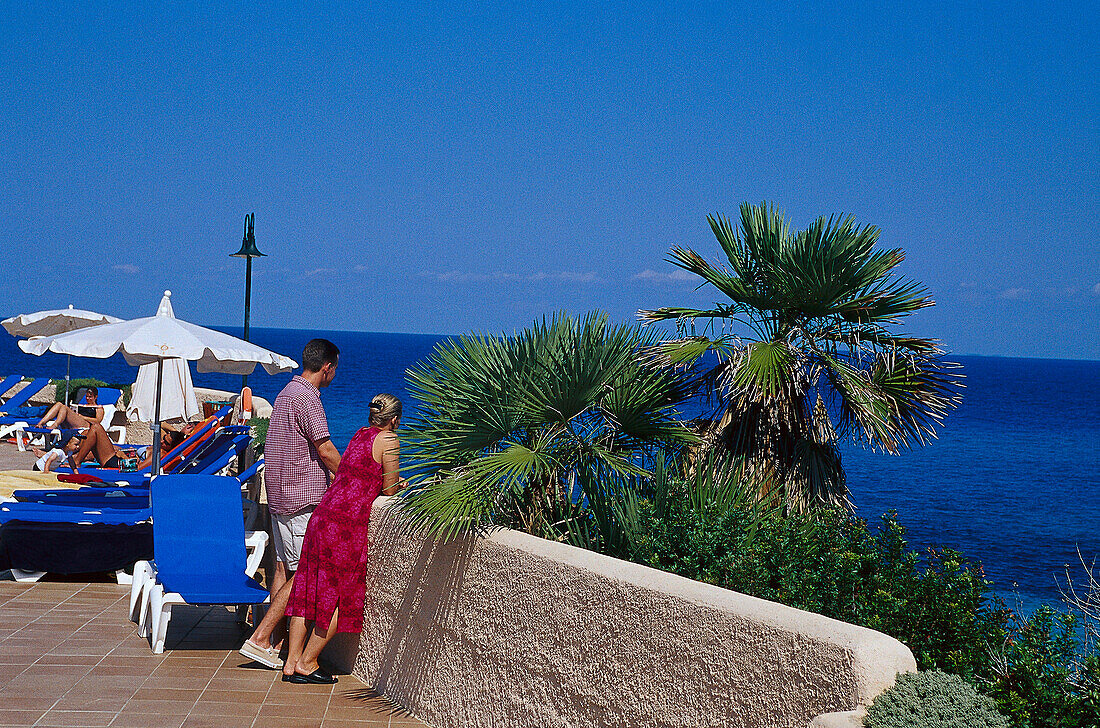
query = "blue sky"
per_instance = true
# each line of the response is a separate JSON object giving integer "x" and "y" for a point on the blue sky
{"x": 441, "y": 169}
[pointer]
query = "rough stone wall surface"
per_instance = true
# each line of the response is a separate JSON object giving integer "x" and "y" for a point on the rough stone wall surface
{"x": 511, "y": 630}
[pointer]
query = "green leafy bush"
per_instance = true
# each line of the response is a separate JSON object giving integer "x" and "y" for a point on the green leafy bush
{"x": 939, "y": 603}
{"x": 932, "y": 700}
{"x": 74, "y": 384}
{"x": 258, "y": 429}
{"x": 832, "y": 563}
{"x": 1041, "y": 678}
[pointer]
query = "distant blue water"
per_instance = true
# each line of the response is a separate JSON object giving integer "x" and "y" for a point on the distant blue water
{"x": 1013, "y": 480}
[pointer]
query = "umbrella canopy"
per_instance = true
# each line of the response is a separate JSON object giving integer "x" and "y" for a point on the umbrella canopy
{"x": 58, "y": 321}
{"x": 177, "y": 394}
{"x": 160, "y": 337}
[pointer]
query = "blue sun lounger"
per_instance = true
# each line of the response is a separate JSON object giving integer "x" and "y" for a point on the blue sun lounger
{"x": 212, "y": 457}
{"x": 72, "y": 514}
{"x": 110, "y": 399}
{"x": 97, "y": 497}
{"x": 113, "y": 475}
{"x": 116, "y": 497}
{"x": 198, "y": 565}
{"x": 8, "y": 382}
{"x": 20, "y": 399}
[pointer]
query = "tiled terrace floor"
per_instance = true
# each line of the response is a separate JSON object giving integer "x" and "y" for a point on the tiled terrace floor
{"x": 70, "y": 657}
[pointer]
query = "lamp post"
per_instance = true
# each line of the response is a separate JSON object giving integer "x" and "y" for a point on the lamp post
{"x": 248, "y": 251}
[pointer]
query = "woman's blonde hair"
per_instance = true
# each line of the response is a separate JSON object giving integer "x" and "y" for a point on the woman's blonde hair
{"x": 383, "y": 408}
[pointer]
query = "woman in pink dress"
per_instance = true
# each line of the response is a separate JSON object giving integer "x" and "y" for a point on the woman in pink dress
{"x": 330, "y": 584}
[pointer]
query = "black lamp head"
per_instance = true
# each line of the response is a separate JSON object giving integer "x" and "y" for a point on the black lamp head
{"x": 248, "y": 245}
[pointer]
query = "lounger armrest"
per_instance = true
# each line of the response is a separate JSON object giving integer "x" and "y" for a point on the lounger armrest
{"x": 251, "y": 471}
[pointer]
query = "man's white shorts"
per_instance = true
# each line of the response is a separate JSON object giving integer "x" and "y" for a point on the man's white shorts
{"x": 288, "y": 532}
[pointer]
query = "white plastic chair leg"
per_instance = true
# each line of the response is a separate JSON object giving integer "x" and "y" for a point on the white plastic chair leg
{"x": 27, "y": 576}
{"x": 143, "y": 574}
{"x": 21, "y": 437}
{"x": 156, "y": 603}
{"x": 121, "y": 577}
{"x": 160, "y": 606}
{"x": 145, "y": 608}
{"x": 256, "y": 544}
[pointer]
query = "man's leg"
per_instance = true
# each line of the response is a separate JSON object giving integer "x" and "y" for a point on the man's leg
{"x": 276, "y": 611}
{"x": 277, "y": 631}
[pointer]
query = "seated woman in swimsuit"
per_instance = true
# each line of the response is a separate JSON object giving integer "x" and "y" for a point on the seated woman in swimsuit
{"x": 97, "y": 446}
{"x": 70, "y": 416}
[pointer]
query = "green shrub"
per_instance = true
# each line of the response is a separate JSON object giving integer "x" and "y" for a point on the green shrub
{"x": 258, "y": 427}
{"x": 74, "y": 384}
{"x": 932, "y": 700}
{"x": 832, "y": 563}
{"x": 938, "y": 603}
{"x": 1040, "y": 677}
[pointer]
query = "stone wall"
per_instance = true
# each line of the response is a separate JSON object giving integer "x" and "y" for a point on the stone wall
{"x": 512, "y": 630}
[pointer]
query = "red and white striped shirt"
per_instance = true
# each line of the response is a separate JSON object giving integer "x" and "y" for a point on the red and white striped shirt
{"x": 295, "y": 477}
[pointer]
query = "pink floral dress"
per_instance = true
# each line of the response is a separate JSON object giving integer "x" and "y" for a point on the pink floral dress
{"x": 333, "y": 564}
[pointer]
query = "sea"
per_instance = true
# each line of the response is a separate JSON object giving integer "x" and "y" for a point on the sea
{"x": 1013, "y": 479}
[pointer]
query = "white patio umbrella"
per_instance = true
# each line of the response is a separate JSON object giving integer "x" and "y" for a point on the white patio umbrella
{"x": 156, "y": 339}
{"x": 57, "y": 321}
{"x": 177, "y": 394}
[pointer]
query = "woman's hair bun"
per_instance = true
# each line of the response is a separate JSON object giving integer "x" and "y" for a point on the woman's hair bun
{"x": 383, "y": 409}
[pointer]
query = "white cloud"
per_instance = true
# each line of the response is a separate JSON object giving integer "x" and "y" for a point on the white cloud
{"x": 1096, "y": 290}
{"x": 677, "y": 276}
{"x": 565, "y": 277}
{"x": 318, "y": 272}
{"x": 456, "y": 276}
{"x": 1015, "y": 294}
{"x": 127, "y": 268}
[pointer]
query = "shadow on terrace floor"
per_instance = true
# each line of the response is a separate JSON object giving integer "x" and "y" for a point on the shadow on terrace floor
{"x": 69, "y": 656}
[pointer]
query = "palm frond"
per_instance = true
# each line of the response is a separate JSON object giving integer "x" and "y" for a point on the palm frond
{"x": 825, "y": 363}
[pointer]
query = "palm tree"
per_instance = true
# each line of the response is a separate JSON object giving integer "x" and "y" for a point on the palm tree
{"x": 510, "y": 428}
{"x": 822, "y": 359}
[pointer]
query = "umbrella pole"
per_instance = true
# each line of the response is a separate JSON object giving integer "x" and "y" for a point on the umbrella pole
{"x": 156, "y": 425}
{"x": 68, "y": 360}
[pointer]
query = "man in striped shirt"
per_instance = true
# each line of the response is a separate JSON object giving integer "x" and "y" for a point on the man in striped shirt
{"x": 300, "y": 462}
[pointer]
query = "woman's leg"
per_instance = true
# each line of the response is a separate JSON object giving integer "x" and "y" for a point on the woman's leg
{"x": 307, "y": 661}
{"x": 85, "y": 448}
{"x": 65, "y": 416}
{"x": 51, "y": 413}
{"x": 100, "y": 443}
{"x": 297, "y": 629}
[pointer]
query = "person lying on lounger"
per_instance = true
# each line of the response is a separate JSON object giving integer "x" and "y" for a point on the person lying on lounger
{"x": 75, "y": 416}
{"x": 169, "y": 440}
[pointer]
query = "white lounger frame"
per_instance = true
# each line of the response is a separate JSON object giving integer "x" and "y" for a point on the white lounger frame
{"x": 151, "y": 607}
